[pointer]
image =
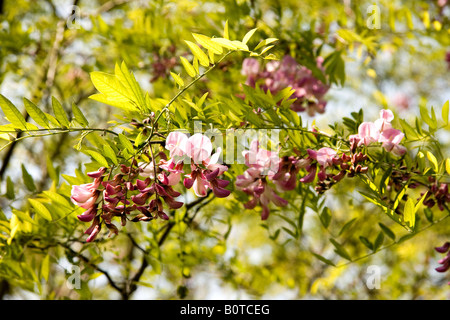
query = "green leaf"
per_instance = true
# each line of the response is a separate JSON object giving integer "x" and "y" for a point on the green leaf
{"x": 10, "y": 194}
{"x": 429, "y": 215}
{"x": 445, "y": 112}
{"x": 79, "y": 116}
{"x": 12, "y": 113}
{"x": 45, "y": 267}
{"x": 140, "y": 139}
{"x": 40, "y": 209}
{"x": 408, "y": 129}
{"x": 128, "y": 81}
{"x": 188, "y": 67}
{"x": 98, "y": 157}
{"x": 59, "y": 113}
{"x": 426, "y": 118}
{"x": 109, "y": 152}
{"x": 28, "y": 179}
{"x": 58, "y": 199}
{"x": 207, "y": 43}
{"x": 387, "y": 231}
{"x": 112, "y": 91}
{"x": 325, "y": 260}
{"x": 325, "y": 217}
{"x": 339, "y": 249}
{"x": 224, "y": 43}
{"x": 366, "y": 242}
{"x": 198, "y": 53}
{"x": 265, "y": 43}
{"x": 378, "y": 241}
{"x": 433, "y": 160}
{"x": 248, "y": 36}
{"x": 225, "y": 31}
{"x": 24, "y": 216}
{"x": 35, "y": 113}
{"x": 447, "y": 165}
{"x": 409, "y": 215}
{"x": 291, "y": 233}
{"x": 126, "y": 143}
{"x": 346, "y": 226}
{"x": 177, "y": 79}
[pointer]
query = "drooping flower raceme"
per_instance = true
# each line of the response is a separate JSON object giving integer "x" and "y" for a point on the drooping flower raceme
{"x": 147, "y": 188}
{"x": 263, "y": 166}
{"x": 278, "y": 75}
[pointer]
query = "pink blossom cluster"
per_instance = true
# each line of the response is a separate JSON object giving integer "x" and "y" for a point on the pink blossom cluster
{"x": 263, "y": 167}
{"x": 205, "y": 166}
{"x": 380, "y": 131}
{"x": 445, "y": 262}
{"x": 147, "y": 188}
{"x": 278, "y": 75}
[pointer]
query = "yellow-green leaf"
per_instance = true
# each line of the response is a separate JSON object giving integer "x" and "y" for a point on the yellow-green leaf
{"x": 98, "y": 157}
{"x": 409, "y": 216}
{"x": 59, "y": 113}
{"x": 177, "y": 79}
{"x": 40, "y": 209}
{"x": 447, "y": 165}
{"x": 225, "y": 31}
{"x": 248, "y": 35}
{"x": 35, "y": 113}
{"x": 225, "y": 43}
{"x": 45, "y": 267}
{"x": 188, "y": 67}
{"x": 79, "y": 116}
{"x": 207, "y": 43}
{"x": 445, "y": 112}
{"x": 12, "y": 113}
{"x": 197, "y": 52}
{"x": 433, "y": 160}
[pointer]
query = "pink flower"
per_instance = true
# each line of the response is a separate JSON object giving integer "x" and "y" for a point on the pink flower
{"x": 175, "y": 170}
{"x": 252, "y": 183}
{"x": 266, "y": 161}
{"x": 250, "y": 67}
{"x": 367, "y": 134}
{"x": 324, "y": 156}
{"x": 380, "y": 131}
{"x": 176, "y": 143}
{"x": 201, "y": 179}
{"x": 391, "y": 139}
{"x": 198, "y": 148}
{"x": 278, "y": 75}
{"x": 445, "y": 262}
{"x": 85, "y": 195}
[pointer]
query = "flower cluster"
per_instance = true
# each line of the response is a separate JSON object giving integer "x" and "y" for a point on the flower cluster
{"x": 205, "y": 166}
{"x": 380, "y": 131}
{"x": 445, "y": 262}
{"x": 437, "y": 194}
{"x": 146, "y": 188}
{"x": 263, "y": 167}
{"x": 277, "y": 75}
{"x": 318, "y": 162}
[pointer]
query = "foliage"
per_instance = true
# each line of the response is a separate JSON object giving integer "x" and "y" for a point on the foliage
{"x": 311, "y": 189}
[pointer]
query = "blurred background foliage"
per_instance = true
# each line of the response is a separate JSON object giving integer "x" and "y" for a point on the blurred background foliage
{"x": 46, "y": 50}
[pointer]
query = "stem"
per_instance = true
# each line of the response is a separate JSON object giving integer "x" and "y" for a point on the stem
{"x": 50, "y": 133}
